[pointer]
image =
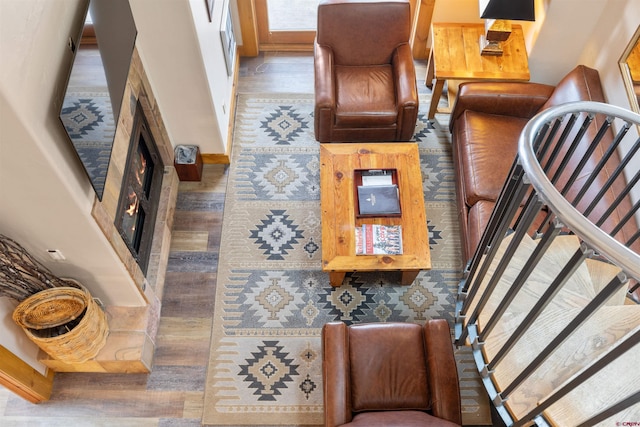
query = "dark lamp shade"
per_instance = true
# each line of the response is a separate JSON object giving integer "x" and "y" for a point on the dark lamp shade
{"x": 517, "y": 10}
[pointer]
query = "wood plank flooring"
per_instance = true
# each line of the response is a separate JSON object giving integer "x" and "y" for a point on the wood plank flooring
{"x": 172, "y": 395}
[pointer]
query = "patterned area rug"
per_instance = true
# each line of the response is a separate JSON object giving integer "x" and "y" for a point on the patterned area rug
{"x": 87, "y": 116}
{"x": 272, "y": 296}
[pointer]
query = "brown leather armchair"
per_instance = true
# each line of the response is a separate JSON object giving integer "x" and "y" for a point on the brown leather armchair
{"x": 365, "y": 80}
{"x": 390, "y": 374}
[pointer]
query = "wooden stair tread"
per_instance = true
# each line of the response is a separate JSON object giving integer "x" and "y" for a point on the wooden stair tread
{"x": 615, "y": 382}
{"x": 608, "y": 325}
{"x": 583, "y": 285}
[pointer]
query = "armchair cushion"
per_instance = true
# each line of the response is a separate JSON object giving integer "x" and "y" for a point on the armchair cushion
{"x": 365, "y": 86}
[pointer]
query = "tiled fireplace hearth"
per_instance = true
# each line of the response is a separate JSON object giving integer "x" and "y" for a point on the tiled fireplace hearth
{"x": 131, "y": 341}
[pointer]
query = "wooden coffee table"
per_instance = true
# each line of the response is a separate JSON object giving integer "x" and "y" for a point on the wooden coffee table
{"x": 337, "y": 198}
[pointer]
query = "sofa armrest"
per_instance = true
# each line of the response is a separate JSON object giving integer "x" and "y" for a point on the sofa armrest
{"x": 406, "y": 91}
{"x": 518, "y": 99}
{"x": 325, "y": 94}
{"x": 442, "y": 371}
{"x": 335, "y": 366}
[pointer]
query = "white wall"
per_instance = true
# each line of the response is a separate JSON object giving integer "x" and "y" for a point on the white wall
{"x": 456, "y": 11}
{"x": 603, "y": 50}
{"x": 566, "y": 30}
{"x": 45, "y": 196}
{"x": 182, "y": 54}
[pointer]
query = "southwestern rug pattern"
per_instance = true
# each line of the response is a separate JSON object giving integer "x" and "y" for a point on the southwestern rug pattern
{"x": 272, "y": 296}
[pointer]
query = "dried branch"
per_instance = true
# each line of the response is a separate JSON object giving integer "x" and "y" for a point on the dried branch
{"x": 21, "y": 275}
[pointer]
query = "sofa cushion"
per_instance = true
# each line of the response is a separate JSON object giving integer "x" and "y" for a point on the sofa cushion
{"x": 398, "y": 419}
{"x": 487, "y": 147}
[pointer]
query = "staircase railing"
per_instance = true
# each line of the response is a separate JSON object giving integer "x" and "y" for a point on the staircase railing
{"x": 522, "y": 309}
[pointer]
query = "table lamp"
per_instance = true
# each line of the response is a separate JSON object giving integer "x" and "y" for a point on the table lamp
{"x": 497, "y": 14}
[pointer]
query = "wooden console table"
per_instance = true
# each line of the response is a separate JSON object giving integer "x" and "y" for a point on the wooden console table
{"x": 337, "y": 199}
{"x": 455, "y": 55}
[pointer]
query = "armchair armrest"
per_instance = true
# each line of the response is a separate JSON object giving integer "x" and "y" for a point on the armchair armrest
{"x": 406, "y": 91}
{"x": 325, "y": 98}
{"x": 405, "y": 74}
{"x": 323, "y": 69}
{"x": 518, "y": 99}
{"x": 335, "y": 365}
{"x": 442, "y": 371}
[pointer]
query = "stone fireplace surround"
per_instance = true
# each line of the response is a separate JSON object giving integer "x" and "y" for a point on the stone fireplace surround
{"x": 131, "y": 341}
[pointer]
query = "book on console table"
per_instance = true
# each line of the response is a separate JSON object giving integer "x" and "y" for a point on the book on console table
{"x": 375, "y": 239}
{"x": 377, "y": 192}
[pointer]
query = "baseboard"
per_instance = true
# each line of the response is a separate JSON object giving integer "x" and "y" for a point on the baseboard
{"x": 216, "y": 159}
{"x": 22, "y": 379}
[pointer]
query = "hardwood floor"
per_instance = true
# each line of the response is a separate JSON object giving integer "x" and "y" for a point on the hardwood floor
{"x": 172, "y": 394}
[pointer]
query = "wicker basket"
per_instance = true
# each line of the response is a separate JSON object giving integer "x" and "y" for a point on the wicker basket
{"x": 64, "y": 322}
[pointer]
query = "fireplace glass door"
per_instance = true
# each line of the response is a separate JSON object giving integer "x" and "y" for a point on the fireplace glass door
{"x": 140, "y": 192}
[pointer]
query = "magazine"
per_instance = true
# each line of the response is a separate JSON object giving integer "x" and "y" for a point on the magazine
{"x": 375, "y": 239}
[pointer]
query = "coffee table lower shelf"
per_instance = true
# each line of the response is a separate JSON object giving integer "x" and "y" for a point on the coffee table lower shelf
{"x": 408, "y": 276}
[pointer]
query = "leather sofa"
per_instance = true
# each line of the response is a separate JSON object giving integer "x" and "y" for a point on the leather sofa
{"x": 365, "y": 80}
{"x": 390, "y": 374}
{"x": 486, "y": 121}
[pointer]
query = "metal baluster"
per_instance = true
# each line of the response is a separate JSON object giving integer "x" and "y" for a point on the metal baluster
{"x": 587, "y": 155}
{"x": 571, "y": 266}
{"x": 521, "y": 279}
{"x": 501, "y": 203}
{"x": 497, "y": 216}
{"x": 530, "y": 213}
{"x": 620, "y": 349}
{"x": 613, "y": 286}
{"x": 558, "y": 145}
{"x": 632, "y": 239}
{"x": 572, "y": 148}
{"x": 541, "y": 149}
{"x": 512, "y": 205}
{"x": 625, "y": 219}
{"x": 612, "y": 178}
{"x": 490, "y": 236}
{"x": 618, "y": 407}
{"x": 624, "y": 193}
{"x": 603, "y": 161}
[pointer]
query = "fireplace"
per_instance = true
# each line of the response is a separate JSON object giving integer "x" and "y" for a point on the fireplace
{"x": 140, "y": 192}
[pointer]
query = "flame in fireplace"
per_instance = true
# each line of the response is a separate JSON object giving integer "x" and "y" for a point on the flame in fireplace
{"x": 133, "y": 205}
{"x": 142, "y": 167}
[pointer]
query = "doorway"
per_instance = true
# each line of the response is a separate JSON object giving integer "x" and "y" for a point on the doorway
{"x": 286, "y": 25}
